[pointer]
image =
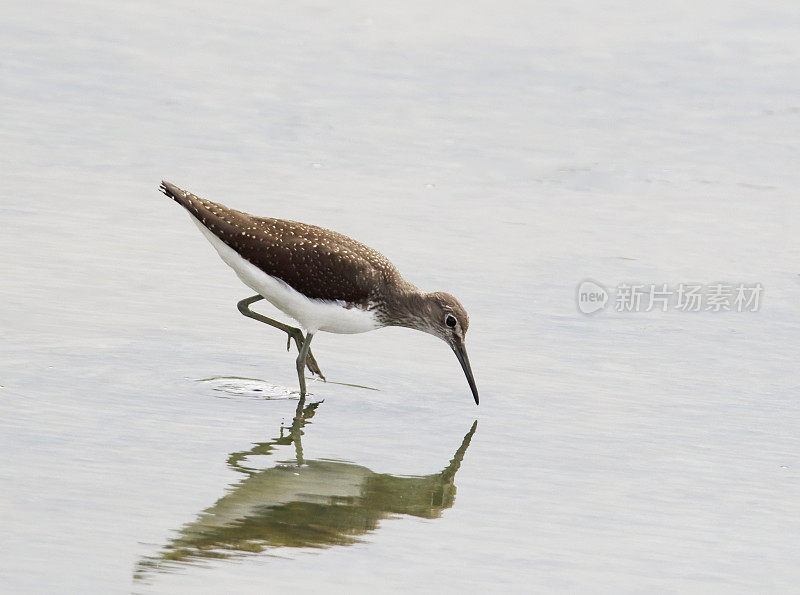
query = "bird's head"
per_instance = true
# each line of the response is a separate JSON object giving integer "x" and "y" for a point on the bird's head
{"x": 442, "y": 315}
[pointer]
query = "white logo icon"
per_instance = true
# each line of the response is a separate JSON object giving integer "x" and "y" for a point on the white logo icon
{"x": 591, "y": 296}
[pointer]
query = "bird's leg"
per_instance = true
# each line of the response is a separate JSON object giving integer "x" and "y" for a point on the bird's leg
{"x": 292, "y": 332}
{"x": 296, "y": 432}
{"x": 301, "y": 363}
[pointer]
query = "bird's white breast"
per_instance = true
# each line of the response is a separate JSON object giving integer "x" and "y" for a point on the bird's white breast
{"x": 312, "y": 314}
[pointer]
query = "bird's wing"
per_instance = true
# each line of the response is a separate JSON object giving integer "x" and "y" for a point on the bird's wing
{"x": 317, "y": 262}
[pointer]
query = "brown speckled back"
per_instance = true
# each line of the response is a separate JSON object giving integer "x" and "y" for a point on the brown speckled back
{"x": 317, "y": 262}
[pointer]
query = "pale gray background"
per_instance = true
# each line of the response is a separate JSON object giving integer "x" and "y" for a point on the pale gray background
{"x": 502, "y": 151}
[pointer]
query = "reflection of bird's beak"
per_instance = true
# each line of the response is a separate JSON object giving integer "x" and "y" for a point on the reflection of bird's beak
{"x": 461, "y": 354}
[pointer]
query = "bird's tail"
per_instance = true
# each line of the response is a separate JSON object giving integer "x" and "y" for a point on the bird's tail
{"x": 227, "y": 224}
{"x": 197, "y": 206}
{"x": 182, "y": 197}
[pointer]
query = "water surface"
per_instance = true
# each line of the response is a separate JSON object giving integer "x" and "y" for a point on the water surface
{"x": 503, "y": 153}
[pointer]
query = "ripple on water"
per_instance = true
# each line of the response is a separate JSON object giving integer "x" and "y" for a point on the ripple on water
{"x": 236, "y": 386}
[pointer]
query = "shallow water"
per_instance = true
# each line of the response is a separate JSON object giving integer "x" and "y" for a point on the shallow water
{"x": 503, "y": 153}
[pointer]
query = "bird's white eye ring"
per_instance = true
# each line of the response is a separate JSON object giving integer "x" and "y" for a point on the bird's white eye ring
{"x": 450, "y": 320}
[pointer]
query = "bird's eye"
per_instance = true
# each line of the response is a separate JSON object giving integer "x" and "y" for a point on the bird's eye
{"x": 450, "y": 321}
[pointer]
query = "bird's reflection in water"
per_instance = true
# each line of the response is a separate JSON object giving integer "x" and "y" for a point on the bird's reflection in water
{"x": 305, "y": 503}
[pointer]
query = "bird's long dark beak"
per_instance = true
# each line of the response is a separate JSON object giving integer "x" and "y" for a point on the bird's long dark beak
{"x": 461, "y": 354}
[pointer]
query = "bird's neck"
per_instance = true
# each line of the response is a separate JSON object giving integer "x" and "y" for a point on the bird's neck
{"x": 406, "y": 306}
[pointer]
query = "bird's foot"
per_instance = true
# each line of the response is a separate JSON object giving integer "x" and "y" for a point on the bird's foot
{"x": 311, "y": 363}
{"x": 313, "y": 367}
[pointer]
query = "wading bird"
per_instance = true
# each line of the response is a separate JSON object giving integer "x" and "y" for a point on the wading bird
{"x": 324, "y": 280}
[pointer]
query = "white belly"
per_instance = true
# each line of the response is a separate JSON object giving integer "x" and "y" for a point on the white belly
{"x": 312, "y": 314}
